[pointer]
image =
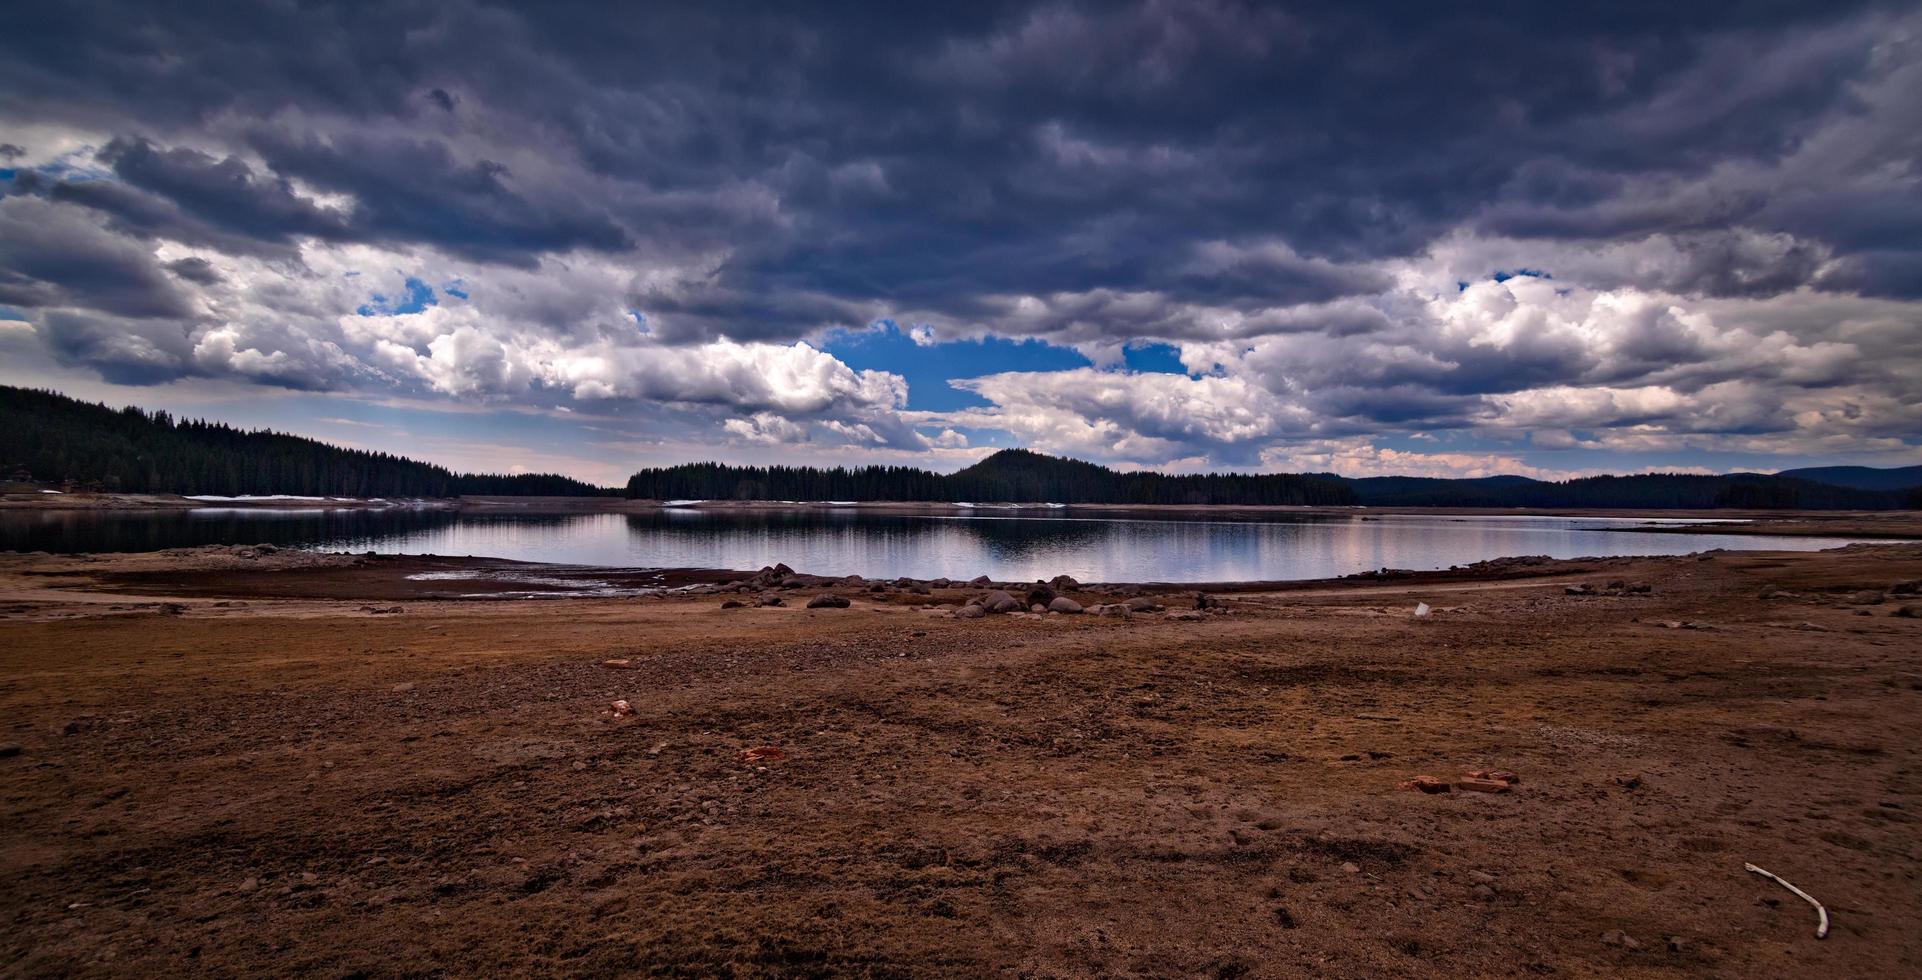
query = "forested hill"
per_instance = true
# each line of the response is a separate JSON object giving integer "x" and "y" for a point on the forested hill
{"x": 1019, "y": 476}
{"x": 51, "y": 438}
{"x": 1861, "y": 477}
{"x": 1009, "y": 476}
{"x": 1642, "y": 491}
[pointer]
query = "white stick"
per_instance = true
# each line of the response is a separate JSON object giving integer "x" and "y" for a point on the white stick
{"x": 1822, "y": 914}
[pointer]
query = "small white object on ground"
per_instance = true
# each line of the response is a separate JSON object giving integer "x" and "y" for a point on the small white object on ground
{"x": 1821, "y": 914}
{"x": 1422, "y": 610}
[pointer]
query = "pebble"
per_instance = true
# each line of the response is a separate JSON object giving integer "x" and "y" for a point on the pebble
{"x": 1482, "y": 893}
{"x": 1351, "y": 867}
{"x": 1616, "y": 937}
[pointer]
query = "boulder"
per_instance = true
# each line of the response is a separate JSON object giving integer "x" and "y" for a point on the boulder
{"x": 1064, "y": 583}
{"x": 1142, "y": 605}
{"x": 732, "y": 604}
{"x": 1040, "y": 595}
{"x": 970, "y": 612}
{"x": 1866, "y": 597}
{"x": 981, "y": 581}
{"x": 1910, "y": 611}
{"x": 940, "y": 583}
{"x": 828, "y": 602}
{"x": 999, "y": 602}
{"x": 1063, "y": 604}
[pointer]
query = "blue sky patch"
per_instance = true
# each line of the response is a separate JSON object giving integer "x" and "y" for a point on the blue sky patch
{"x": 419, "y": 297}
{"x": 930, "y": 368}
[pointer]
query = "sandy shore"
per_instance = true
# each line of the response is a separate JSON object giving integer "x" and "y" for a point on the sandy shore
{"x": 294, "y": 763}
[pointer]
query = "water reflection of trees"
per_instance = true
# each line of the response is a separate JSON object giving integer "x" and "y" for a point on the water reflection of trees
{"x": 115, "y": 531}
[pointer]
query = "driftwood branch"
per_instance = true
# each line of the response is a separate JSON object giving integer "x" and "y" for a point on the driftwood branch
{"x": 1821, "y": 914}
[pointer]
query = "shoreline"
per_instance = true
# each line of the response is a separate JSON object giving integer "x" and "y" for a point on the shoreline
{"x": 1886, "y": 525}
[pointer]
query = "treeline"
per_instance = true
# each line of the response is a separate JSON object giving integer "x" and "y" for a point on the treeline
{"x": 1676, "y": 491}
{"x": 1019, "y": 476}
{"x": 1009, "y": 476}
{"x": 49, "y": 438}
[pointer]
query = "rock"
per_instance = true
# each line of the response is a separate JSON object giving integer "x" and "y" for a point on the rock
{"x": 829, "y": 602}
{"x": 981, "y": 581}
{"x": 171, "y": 609}
{"x": 9, "y": 750}
{"x": 1910, "y": 612}
{"x": 1578, "y": 590}
{"x": 1768, "y": 592}
{"x": 1627, "y": 780}
{"x": 1501, "y": 775}
{"x": 1470, "y": 784}
{"x": 1142, "y": 605}
{"x": 621, "y": 708}
{"x": 1911, "y": 587}
{"x": 1040, "y": 595}
{"x": 1482, "y": 893}
{"x": 762, "y": 753}
{"x": 1866, "y": 597}
{"x": 732, "y": 604}
{"x": 921, "y": 588}
{"x": 1184, "y": 614}
{"x": 403, "y": 687}
{"x": 999, "y": 602}
{"x": 1481, "y": 877}
{"x": 248, "y": 887}
{"x": 1064, "y": 582}
{"x": 1426, "y": 784}
{"x": 1204, "y": 601}
{"x": 1037, "y": 608}
{"x": 970, "y": 612}
{"x": 940, "y": 583}
{"x": 618, "y": 664}
{"x": 1641, "y": 588}
{"x": 1351, "y": 867}
{"x": 1616, "y": 937}
{"x": 1114, "y": 609}
{"x": 1063, "y": 604}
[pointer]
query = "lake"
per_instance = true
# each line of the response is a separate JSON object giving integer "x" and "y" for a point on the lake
{"x": 1007, "y": 547}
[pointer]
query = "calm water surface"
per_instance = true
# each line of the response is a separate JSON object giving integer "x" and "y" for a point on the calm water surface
{"x": 1008, "y": 548}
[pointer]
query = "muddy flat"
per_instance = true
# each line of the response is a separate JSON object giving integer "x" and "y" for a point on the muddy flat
{"x": 300, "y": 764}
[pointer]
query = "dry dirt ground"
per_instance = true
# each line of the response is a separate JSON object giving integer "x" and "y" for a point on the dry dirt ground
{"x": 298, "y": 785}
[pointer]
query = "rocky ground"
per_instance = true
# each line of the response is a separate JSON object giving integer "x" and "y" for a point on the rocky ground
{"x": 223, "y": 763}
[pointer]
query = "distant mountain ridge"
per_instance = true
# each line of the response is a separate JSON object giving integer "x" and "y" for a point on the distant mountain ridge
{"x": 1008, "y": 476}
{"x": 1860, "y": 477}
{"x": 1022, "y": 476}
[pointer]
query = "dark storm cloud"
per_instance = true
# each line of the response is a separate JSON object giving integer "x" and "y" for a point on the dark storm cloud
{"x": 926, "y": 159}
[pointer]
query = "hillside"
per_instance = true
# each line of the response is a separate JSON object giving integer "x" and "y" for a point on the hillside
{"x": 1009, "y": 476}
{"x": 1860, "y": 477}
{"x": 1647, "y": 490}
{"x": 1021, "y": 476}
{"x": 50, "y": 438}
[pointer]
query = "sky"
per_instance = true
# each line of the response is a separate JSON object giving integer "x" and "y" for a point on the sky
{"x": 1367, "y": 238}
